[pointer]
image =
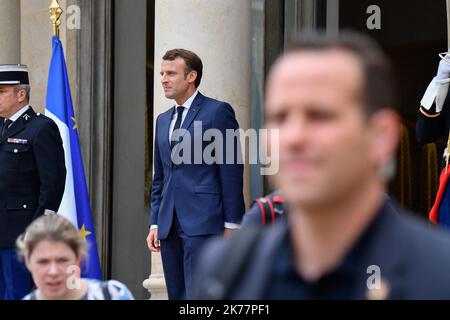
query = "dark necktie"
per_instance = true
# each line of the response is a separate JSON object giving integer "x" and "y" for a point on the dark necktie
{"x": 173, "y": 139}
{"x": 6, "y": 124}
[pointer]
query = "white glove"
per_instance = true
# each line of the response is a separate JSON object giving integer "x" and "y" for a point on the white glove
{"x": 438, "y": 88}
{"x": 443, "y": 71}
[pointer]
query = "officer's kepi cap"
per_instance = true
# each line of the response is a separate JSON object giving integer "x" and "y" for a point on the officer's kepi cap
{"x": 13, "y": 74}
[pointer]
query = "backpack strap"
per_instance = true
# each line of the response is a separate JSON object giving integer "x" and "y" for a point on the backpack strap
{"x": 278, "y": 199}
{"x": 262, "y": 210}
{"x": 266, "y": 209}
{"x": 234, "y": 256}
{"x": 271, "y": 210}
{"x": 278, "y": 204}
{"x": 255, "y": 278}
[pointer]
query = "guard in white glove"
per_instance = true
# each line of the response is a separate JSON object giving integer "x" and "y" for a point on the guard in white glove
{"x": 438, "y": 88}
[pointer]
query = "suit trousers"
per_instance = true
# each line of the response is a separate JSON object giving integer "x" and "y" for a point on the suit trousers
{"x": 179, "y": 253}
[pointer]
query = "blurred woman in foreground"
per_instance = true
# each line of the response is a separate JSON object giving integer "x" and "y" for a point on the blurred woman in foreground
{"x": 53, "y": 250}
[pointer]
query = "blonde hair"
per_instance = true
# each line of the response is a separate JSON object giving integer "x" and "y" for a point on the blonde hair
{"x": 53, "y": 228}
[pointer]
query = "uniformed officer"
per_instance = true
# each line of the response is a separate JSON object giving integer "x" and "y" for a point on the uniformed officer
{"x": 32, "y": 173}
{"x": 433, "y": 118}
{"x": 433, "y": 123}
{"x": 330, "y": 99}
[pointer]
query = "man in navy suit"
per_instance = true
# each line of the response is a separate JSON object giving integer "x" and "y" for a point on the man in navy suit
{"x": 32, "y": 173}
{"x": 194, "y": 199}
{"x": 330, "y": 97}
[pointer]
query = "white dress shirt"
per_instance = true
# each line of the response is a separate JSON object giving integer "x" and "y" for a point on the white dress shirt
{"x": 19, "y": 113}
{"x": 186, "y": 106}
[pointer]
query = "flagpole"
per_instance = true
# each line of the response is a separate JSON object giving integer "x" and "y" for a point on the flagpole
{"x": 55, "y": 13}
{"x": 75, "y": 204}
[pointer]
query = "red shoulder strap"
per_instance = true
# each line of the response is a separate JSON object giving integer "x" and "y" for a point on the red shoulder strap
{"x": 272, "y": 212}
{"x": 262, "y": 211}
{"x": 278, "y": 198}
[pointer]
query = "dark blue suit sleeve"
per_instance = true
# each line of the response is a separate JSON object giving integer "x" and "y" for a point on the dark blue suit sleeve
{"x": 231, "y": 174}
{"x": 158, "y": 181}
{"x": 49, "y": 155}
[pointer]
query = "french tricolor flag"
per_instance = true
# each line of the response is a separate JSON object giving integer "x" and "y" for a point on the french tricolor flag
{"x": 440, "y": 212}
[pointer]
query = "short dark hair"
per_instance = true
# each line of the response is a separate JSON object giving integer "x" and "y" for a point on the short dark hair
{"x": 379, "y": 89}
{"x": 193, "y": 62}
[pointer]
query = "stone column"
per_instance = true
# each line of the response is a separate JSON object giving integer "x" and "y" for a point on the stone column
{"x": 10, "y": 34}
{"x": 220, "y": 33}
{"x": 155, "y": 283}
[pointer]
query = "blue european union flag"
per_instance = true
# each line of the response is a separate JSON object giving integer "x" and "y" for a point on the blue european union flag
{"x": 75, "y": 204}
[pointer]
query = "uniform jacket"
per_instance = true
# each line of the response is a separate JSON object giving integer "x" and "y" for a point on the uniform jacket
{"x": 204, "y": 195}
{"x": 429, "y": 129}
{"x": 32, "y": 173}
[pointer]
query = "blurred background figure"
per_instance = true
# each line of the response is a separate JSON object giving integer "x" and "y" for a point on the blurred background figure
{"x": 331, "y": 98}
{"x": 433, "y": 123}
{"x": 53, "y": 250}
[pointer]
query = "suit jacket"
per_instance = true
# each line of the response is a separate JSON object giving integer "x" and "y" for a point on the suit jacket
{"x": 204, "y": 195}
{"x": 413, "y": 258}
{"x": 32, "y": 174}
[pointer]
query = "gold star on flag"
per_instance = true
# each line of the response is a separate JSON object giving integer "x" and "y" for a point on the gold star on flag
{"x": 75, "y": 125}
{"x": 84, "y": 232}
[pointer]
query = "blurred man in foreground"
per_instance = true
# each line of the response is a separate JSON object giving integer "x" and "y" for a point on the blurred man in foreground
{"x": 331, "y": 100}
